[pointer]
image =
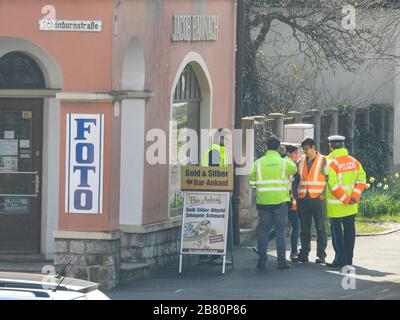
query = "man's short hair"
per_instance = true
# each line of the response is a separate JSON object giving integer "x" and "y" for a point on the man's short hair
{"x": 291, "y": 148}
{"x": 273, "y": 143}
{"x": 310, "y": 142}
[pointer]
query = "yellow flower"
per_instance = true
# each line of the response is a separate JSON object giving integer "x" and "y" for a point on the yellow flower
{"x": 385, "y": 186}
{"x": 372, "y": 179}
{"x": 397, "y": 175}
{"x": 385, "y": 179}
{"x": 379, "y": 184}
{"x": 367, "y": 186}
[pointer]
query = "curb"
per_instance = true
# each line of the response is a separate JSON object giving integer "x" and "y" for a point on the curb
{"x": 357, "y": 235}
{"x": 378, "y": 234}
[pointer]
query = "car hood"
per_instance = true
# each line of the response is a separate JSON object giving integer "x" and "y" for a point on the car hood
{"x": 31, "y": 280}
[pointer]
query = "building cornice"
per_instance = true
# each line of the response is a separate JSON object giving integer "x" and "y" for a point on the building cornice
{"x": 76, "y": 96}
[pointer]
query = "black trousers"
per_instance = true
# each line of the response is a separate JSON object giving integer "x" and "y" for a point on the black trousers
{"x": 312, "y": 209}
{"x": 343, "y": 239}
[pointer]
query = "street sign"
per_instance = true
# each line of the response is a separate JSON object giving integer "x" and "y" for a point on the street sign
{"x": 198, "y": 178}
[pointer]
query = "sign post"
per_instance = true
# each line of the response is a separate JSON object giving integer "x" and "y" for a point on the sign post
{"x": 207, "y": 212}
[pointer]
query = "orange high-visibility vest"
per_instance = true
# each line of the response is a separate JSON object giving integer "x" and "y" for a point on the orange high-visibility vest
{"x": 312, "y": 183}
{"x": 294, "y": 202}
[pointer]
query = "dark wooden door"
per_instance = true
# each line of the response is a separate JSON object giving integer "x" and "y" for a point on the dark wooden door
{"x": 21, "y": 136}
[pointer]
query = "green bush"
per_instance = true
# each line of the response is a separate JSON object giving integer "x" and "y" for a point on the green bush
{"x": 381, "y": 198}
{"x": 177, "y": 201}
{"x": 374, "y": 203}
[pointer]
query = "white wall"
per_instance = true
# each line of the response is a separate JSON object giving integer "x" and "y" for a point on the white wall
{"x": 133, "y": 70}
{"x": 396, "y": 129}
{"x": 132, "y": 137}
{"x": 377, "y": 84}
{"x": 369, "y": 85}
{"x": 132, "y": 161}
{"x": 50, "y": 177}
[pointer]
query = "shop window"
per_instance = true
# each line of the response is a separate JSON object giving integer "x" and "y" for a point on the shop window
{"x": 185, "y": 115}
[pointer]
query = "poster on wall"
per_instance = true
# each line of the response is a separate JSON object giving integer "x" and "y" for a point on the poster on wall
{"x": 8, "y": 164}
{"x": 205, "y": 223}
{"x": 84, "y": 163}
{"x": 8, "y": 147}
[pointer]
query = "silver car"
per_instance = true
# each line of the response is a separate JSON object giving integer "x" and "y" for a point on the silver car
{"x": 27, "y": 286}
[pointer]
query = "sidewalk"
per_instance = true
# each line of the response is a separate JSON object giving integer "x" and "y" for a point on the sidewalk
{"x": 377, "y": 262}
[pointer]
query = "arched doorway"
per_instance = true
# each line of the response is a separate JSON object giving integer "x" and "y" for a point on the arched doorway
{"x": 21, "y": 136}
{"x": 190, "y": 110}
{"x": 186, "y": 106}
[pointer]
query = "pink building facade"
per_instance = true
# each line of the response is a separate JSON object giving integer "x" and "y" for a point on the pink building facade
{"x": 83, "y": 86}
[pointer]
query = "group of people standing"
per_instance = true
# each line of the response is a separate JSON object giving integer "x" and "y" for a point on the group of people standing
{"x": 306, "y": 188}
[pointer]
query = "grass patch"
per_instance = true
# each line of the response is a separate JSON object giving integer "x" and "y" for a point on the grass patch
{"x": 382, "y": 218}
{"x": 364, "y": 225}
{"x": 368, "y": 228}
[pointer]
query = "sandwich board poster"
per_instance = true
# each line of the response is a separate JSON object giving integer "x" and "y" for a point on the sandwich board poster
{"x": 205, "y": 223}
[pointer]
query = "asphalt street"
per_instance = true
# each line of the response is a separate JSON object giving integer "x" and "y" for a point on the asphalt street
{"x": 377, "y": 276}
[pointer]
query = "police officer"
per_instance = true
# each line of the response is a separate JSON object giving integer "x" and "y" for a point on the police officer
{"x": 216, "y": 155}
{"x": 270, "y": 175}
{"x": 346, "y": 180}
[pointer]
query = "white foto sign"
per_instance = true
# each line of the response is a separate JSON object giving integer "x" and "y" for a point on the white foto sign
{"x": 84, "y": 163}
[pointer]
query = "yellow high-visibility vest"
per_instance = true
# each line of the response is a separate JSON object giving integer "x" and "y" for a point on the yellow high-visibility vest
{"x": 270, "y": 175}
{"x": 346, "y": 179}
{"x": 222, "y": 155}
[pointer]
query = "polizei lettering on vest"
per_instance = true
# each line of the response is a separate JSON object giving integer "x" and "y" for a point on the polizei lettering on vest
{"x": 347, "y": 166}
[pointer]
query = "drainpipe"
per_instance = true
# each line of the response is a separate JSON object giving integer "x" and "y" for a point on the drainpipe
{"x": 240, "y": 25}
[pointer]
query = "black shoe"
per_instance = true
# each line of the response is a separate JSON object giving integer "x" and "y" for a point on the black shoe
{"x": 261, "y": 265}
{"x": 320, "y": 260}
{"x": 333, "y": 265}
{"x": 300, "y": 258}
{"x": 284, "y": 265}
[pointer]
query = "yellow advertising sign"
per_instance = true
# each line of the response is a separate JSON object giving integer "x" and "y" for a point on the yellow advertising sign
{"x": 196, "y": 178}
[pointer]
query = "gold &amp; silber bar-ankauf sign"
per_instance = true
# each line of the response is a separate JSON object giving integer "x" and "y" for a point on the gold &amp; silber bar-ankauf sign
{"x": 199, "y": 178}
